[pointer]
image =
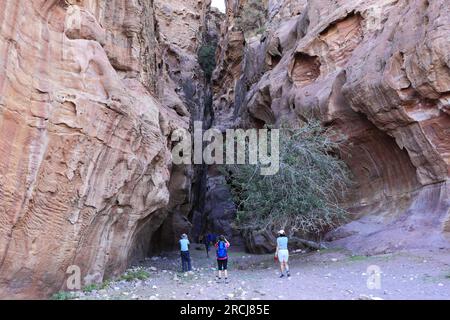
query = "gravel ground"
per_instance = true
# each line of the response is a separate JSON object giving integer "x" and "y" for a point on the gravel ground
{"x": 329, "y": 274}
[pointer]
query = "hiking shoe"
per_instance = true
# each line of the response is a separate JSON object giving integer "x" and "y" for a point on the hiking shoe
{"x": 288, "y": 275}
{"x": 282, "y": 275}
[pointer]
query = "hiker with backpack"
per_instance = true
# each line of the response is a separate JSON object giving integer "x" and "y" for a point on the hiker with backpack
{"x": 222, "y": 246}
{"x": 185, "y": 256}
{"x": 282, "y": 253}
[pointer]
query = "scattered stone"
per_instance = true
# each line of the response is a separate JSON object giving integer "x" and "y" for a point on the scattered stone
{"x": 370, "y": 297}
{"x": 260, "y": 292}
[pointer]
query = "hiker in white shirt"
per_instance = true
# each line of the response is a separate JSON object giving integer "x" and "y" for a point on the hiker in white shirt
{"x": 282, "y": 253}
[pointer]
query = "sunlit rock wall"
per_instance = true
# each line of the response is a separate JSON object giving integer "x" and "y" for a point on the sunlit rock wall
{"x": 378, "y": 72}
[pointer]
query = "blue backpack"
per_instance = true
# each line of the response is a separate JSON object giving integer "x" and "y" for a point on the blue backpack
{"x": 221, "y": 250}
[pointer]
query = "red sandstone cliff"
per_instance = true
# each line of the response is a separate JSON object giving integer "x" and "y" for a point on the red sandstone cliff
{"x": 377, "y": 71}
{"x": 88, "y": 99}
{"x": 90, "y": 91}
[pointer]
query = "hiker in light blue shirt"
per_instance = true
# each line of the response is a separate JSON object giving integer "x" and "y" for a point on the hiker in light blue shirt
{"x": 282, "y": 253}
{"x": 185, "y": 257}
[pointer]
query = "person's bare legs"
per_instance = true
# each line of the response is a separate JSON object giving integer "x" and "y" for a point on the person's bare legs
{"x": 282, "y": 268}
{"x": 286, "y": 267}
{"x": 225, "y": 272}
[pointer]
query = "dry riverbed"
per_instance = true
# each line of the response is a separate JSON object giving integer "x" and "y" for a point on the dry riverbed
{"x": 329, "y": 274}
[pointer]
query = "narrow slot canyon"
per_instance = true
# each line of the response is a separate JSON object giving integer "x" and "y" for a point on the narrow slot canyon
{"x": 93, "y": 94}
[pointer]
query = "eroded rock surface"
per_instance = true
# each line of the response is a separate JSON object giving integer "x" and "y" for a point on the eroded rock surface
{"x": 377, "y": 71}
{"x": 89, "y": 96}
{"x": 91, "y": 90}
{"x": 185, "y": 26}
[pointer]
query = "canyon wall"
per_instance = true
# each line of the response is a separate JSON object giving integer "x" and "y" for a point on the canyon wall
{"x": 90, "y": 91}
{"x": 376, "y": 71}
{"x": 186, "y": 26}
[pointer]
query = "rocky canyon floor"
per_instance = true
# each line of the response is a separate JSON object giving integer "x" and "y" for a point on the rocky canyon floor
{"x": 326, "y": 274}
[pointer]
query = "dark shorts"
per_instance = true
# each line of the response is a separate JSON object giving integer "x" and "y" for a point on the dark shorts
{"x": 222, "y": 264}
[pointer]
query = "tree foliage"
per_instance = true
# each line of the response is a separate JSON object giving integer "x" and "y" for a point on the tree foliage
{"x": 304, "y": 195}
{"x": 207, "y": 58}
{"x": 252, "y": 17}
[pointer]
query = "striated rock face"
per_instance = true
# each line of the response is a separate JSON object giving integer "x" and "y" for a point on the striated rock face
{"x": 229, "y": 56}
{"x": 88, "y": 99}
{"x": 84, "y": 160}
{"x": 184, "y": 27}
{"x": 377, "y": 71}
{"x": 90, "y": 91}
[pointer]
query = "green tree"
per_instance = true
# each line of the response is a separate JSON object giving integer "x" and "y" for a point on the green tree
{"x": 207, "y": 59}
{"x": 303, "y": 197}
